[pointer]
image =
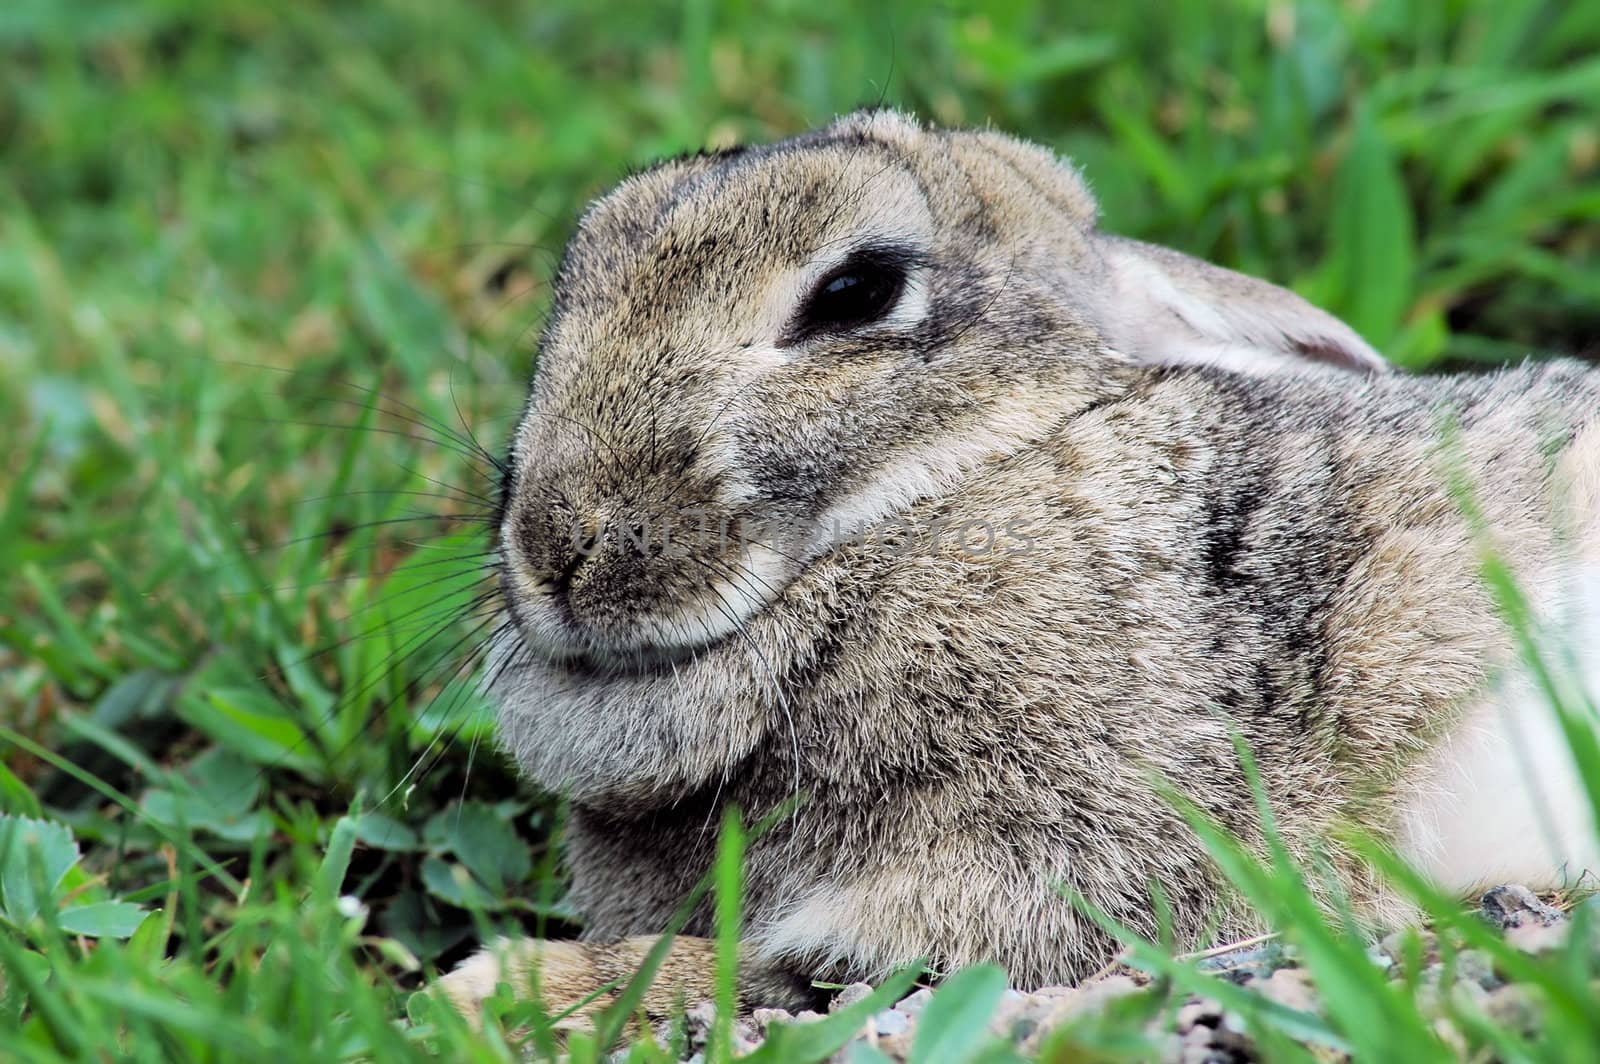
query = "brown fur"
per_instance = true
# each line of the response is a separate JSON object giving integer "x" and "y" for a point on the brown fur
{"x": 575, "y": 980}
{"x": 1211, "y": 550}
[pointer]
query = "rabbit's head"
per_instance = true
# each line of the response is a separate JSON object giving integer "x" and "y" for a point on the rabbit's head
{"x": 754, "y": 353}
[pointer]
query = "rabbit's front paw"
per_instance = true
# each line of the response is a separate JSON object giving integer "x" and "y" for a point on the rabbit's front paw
{"x": 560, "y": 974}
{"x": 573, "y": 980}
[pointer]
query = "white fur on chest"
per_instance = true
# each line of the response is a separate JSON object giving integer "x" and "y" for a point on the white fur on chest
{"x": 1500, "y": 800}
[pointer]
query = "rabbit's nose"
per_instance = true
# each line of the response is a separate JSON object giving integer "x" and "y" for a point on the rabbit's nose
{"x": 581, "y": 545}
{"x": 548, "y": 544}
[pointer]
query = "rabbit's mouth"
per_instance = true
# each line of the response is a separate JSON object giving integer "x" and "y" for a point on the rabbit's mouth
{"x": 643, "y": 620}
{"x": 646, "y": 661}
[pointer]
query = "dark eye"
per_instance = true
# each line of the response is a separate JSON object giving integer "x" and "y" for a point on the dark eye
{"x": 859, "y": 292}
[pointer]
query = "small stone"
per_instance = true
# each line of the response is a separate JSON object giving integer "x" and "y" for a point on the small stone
{"x": 891, "y": 1022}
{"x": 893, "y": 1046}
{"x": 1014, "y": 1001}
{"x": 1516, "y": 1007}
{"x": 1536, "y": 937}
{"x": 1202, "y": 1014}
{"x": 1427, "y": 998}
{"x": 1109, "y": 988}
{"x": 1198, "y": 1054}
{"x": 1476, "y": 966}
{"x": 1514, "y": 905}
{"x": 1233, "y": 1043}
{"x": 1291, "y": 987}
{"x": 1022, "y": 1029}
{"x": 1045, "y": 1013}
{"x": 1092, "y": 995}
{"x": 915, "y": 1002}
{"x": 698, "y": 1023}
{"x": 1468, "y": 996}
{"x": 849, "y": 996}
{"x": 1451, "y": 1036}
{"x": 765, "y": 1018}
{"x": 1398, "y": 945}
{"x": 1013, "y": 1007}
{"x": 1252, "y": 962}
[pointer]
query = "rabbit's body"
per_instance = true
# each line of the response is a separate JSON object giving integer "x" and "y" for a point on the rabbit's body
{"x": 975, "y": 731}
{"x": 1002, "y": 555}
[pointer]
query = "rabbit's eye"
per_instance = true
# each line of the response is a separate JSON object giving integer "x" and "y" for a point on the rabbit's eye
{"x": 859, "y": 292}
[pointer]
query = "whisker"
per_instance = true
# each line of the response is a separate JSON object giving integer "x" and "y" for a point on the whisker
{"x": 463, "y": 450}
{"x": 785, "y": 555}
{"x": 615, "y": 454}
{"x": 425, "y": 761}
{"x": 461, "y": 499}
{"x": 436, "y": 432}
{"x": 472, "y": 496}
{"x": 466, "y": 427}
{"x": 419, "y": 418}
{"x": 346, "y": 530}
{"x": 741, "y": 578}
{"x": 389, "y": 624}
{"x": 721, "y": 605}
{"x": 353, "y": 576}
{"x": 447, "y": 654}
{"x": 386, "y": 669}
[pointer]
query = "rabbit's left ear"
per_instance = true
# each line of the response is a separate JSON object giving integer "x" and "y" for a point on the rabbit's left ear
{"x": 1162, "y": 307}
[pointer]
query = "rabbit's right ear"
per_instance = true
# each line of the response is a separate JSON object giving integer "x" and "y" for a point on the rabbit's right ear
{"x": 1162, "y": 307}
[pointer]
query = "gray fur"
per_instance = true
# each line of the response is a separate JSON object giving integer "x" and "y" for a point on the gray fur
{"x": 1272, "y": 552}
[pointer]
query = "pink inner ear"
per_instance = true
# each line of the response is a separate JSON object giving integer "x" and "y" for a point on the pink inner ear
{"x": 1164, "y": 306}
{"x": 1332, "y": 353}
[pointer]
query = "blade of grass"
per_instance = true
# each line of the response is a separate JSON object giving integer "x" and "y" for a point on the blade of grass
{"x": 729, "y": 870}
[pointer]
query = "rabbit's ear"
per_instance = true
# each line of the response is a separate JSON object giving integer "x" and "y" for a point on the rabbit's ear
{"x": 1163, "y": 307}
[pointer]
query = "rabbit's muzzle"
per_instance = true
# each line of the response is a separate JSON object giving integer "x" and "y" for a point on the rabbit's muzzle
{"x": 622, "y": 578}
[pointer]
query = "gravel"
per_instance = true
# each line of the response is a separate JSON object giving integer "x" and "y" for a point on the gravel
{"x": 1202, "y": 1032}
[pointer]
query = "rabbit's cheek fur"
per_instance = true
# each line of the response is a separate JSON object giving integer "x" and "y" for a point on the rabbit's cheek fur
{"x": 628, "y": 740}
{"x": 855, "y": 436}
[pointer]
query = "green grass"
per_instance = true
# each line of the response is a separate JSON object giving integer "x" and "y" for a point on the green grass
{"x": 263, "y": 275}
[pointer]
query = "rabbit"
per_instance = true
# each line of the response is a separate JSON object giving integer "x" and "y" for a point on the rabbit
{"x": 1010, "y": 520}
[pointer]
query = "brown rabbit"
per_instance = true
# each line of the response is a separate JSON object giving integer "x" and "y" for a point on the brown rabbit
{"x": 1011, "y": 519}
